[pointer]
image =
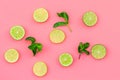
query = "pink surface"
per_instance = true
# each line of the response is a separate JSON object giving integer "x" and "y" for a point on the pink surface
{"x": 15, "y": 12}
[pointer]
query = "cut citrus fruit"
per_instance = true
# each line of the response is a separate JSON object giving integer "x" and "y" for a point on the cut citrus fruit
{"x": 66, "y": 59}
{"x": 57, "y": 36}
{"x": 17, "y": 32}
{"x": 40, "y": 69}
{"x": 40, "y": 15}
{"x": 89, "y": 18}
{"x": 11, "y": 55}
{"x": 98, "y": 51}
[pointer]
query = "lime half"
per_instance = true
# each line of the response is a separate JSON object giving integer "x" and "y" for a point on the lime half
{"x": 57, "y": 36}
{"x": 40, "y": 15}
{"x": 89, "y": 18}
{"x": 66, "y": 59}
{"x": 98, "y": 51}
{"x": 40, "y": 69}
{"x": 11, "y": 55}
{"x": 17, "y": 32}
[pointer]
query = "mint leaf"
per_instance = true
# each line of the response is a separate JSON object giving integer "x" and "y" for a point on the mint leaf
{"x": 64, "y": 15}
{"x": 35, "y": 47}
{"x": 86, "y": 45}
{"x": 82, "y": 48}
{"x": 86, "y": 52}
{"x": 39, "y": 47}
{"x": 59, "y": 24}
{"x": 32, "y": 39}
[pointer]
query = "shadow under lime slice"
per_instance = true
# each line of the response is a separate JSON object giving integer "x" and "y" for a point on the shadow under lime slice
{"x": 11, "y": 55}
{"x": 17, "y": 32}
{"x": 98, "y": 51}
{"x": 89, "y": 18}
{"x": 57, "y": 36}
{"x": 66, "y": 59}
{"x": 40, "y": 15}
{"x": 40, "y": 69}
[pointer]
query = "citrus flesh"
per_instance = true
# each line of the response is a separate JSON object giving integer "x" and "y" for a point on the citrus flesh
{"x": 11, "y": 55}
{"x": 89, "y": 18}
{"x": 40, "y": 15}
{"x": 66, "y": 59}
{"x": 57, "y": 36}
{"x": 98, "y": 51}
{"x": 40, "y": 69}
{"x": 17, "y": 32}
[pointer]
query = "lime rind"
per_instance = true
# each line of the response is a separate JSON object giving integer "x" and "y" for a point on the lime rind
{"x": 57, "y": 36}
{"x": 11, "y": 55}
{"x": 40, "y": 69}
{"x": 40, "y": 15}
{"x": 90, "y": 18}
{"x": 17, "y": 32}
{"x": 98, "y": 51}
{"x": 65, "y": 59}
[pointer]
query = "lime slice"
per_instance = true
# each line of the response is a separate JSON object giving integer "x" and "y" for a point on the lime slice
{"x": 98, "y": 51}
{"x": 11, "y": 55}
{"x": 89, "y": 18}
{"x": 57, "y": 36}
{"x": 40, "y": 15}
{"x": 40, "y": 69}
{"x": 17, "y": 32}
{"x": 65, "y": 59}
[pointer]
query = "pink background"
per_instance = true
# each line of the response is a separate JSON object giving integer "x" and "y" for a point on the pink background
{"x": 19, "y": 12}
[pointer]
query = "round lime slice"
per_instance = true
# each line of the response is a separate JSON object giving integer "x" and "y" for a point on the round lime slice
{"x": 57, "y": 36}
{"x": 98, "y": 51}
{"x": 11, "y": 55}
{"x": 66, "y": 59}
{"x": 89, "y": 18}
{"x": 17, "y": 32}
{"x": 40, "y": 69}
{"x": 40, "y": 15}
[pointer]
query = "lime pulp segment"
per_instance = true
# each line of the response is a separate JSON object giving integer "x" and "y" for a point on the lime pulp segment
{"x": 57, "y": 36}
{"x": 11, "y": 55}
{"x": 40, "y": 69}
{"x": 40, "y": 15}
{"x": 98, "y": 51}
{"x": 17, "y": 32}
{"x": 66, "y": 59}
{"x": 90, "y": 18}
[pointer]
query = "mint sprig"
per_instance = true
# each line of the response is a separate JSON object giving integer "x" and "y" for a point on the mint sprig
{"x": 65, "y": 16}
{"x": 35, "y": 47}
{"x": 82, "y": 48}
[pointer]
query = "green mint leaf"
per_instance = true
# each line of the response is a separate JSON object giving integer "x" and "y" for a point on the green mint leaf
{"x": 35, "y": 47}
{"x": 81, "y": 45}
{"x": 64, "y": 15}
{"x": 79, "y": 49}
{"x": 59, "y": 24}
{"x": 86, "y": 52}
{"x": 32, "y": 39}
{"x": 86, "y": 45}
{"x": 39, "y": 47}
{"x": 34, "y": 51}
{"x": 82, "y": 48}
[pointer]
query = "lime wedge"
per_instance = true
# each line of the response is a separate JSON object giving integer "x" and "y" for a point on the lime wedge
{"x": 11, "y": 55}
{"x": 40, "y": 69}
{"x": 40, "y": 15}
{"x": 89, "y": 18}
{"x": 98, "y": 51}
{"x": 17, "y": 32}
{"x": 57, "y": 36}
{"x": 66, "y": 59}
